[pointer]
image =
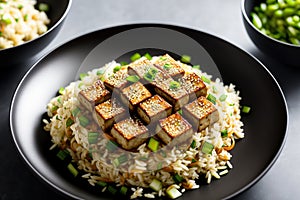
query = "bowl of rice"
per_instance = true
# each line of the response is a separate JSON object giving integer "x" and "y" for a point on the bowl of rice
{"x": 28, "y": 26}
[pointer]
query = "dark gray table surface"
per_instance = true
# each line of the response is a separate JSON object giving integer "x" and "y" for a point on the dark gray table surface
{"x": 218, "y": 17}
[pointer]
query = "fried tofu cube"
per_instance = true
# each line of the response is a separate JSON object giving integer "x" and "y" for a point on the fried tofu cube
{"x": 108, "y": 113}
{"x": 200, "y": 113}
{"x": 194, "y": 85}
{"x": 176, "y": 96}
{"x": 146, "y": 71}
{"x": 116, "y": 81}
{"x": 93, "y": 95}
{"x": 130, "y": 133}
{"x": 168, "y": 65}
{"x": 153, "y": 109}
{"x": 174, "y": 129}
{"x": 134, "y": 94}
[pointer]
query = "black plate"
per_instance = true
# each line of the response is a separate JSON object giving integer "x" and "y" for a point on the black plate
{"x": 253, "y": 156}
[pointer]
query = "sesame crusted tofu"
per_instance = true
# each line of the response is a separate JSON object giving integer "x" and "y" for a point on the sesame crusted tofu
{"x": 116, "y": 81}
{"x": 174, "y": 129}
{"x": 134, "y": 94}
{"x": 153, "y": 109}
{"x": 200, "y": 113}
{"x": 130, "y": 133}
{"x": 93, "y": 95}
{"x": 172, "y": 92}
{"x": 146, "y": 71}
{"x": 168, "y": 65}
{"x": 194, "y": 85}
{"x": 108, "y": 113}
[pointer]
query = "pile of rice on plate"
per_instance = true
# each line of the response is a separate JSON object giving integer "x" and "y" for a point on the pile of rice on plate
{"x": 145, "y": 174}
{"x": 20, "y": 21}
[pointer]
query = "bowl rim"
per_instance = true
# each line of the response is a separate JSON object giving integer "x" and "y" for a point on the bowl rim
{"x": 244, "y": 13}
{"x": 47, "y": 32}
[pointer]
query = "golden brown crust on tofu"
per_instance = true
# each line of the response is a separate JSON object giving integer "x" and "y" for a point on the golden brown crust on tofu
{"x": 174, "y": 126}
{"x": 130, "y": 133}
{"x": 108, "y": 113}
{"x": 178, "y": 97}
{"x": 93, "y": 95}
{"x": 167, "y": 64}
{"x": 117, "y": 81}
{"x": 194, "y": 85}
{"x": 134, "y": 94}
{"x": 153, "y": 109}
{"x": 201, "y": 113}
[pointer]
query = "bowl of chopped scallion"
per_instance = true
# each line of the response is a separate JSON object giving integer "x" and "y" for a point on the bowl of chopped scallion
{"x": 274, "y": 27}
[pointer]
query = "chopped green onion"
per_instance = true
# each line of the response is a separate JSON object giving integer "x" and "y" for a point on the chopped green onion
{"x": 174, "y": 85}
{"x": 148, "y": 56}
{"x": 256, "y": 21}
{"x": 173, "y": 193}
{"x": 93, "y": 137}
{"x": 17, "y": 19}
{"x": 101, "y": 183}
{"x": 111, "y": 145}
{"x": 83, "y": 121}
{"x": 61, "y": 90}
{"x": 117, "y": 68}
{"x": 112, "y": 190}
{"x": 153, "y": 144}
{"x": 163, "y": 153}
{"x": 211, "y": 98}
{"x": 133, "y": 78}
{"x": 185, "y": 59}
{"x": 143, "y": 158}
{"x": 193, "y": 145}
{"x": 177, "y": 178}
{"x": 231, "y": 104}
{"x": 180, "y": 111}
{"x": 123, "y": 190}
{"x": 214, "y": 88}
{"x": 196, "y": 67}
{"x": 43, "y": 7}
{"x": 167, "y": 66}
{"x": 63, "y": 154}
{"x": 82, "y": 75}
{"x": 123, "y": 63}
{"x": 20, "y": 6}
{"x": 59, "y": 99}
{"x": 69, "y": 122}
{"x": 1, "y": 33}
{"x": 224, "y": 133}
{"x": 26, "y": 17}
{"x": 54, "y": 108}
{"x": 223, "y": 97}
{"x": 100, "y": 72}
{"x": 150, "y": 75}
{"x": 205, "y": 79}
{"x": 194, "y": 160}
{"x": 6, "y": 20}
{"x": 246, "y": 109}
{"x": 159, "y": 165}
{"x": 75, "y": 111}
{"x": 72, "y": 169}
{"x": 163, "y": 58}
{"x": 207, "y": 147}
{"x": 155, "y": 185}
{"x": 135, "y": 56}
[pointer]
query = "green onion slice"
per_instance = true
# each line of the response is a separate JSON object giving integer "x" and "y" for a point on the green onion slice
{"x": 111, "y": 145}
{"x": 224, "y": 133}
{"x": 207, "y": 147}
{"x": 196, "y": 67}
{"x": 167, "y": 66}
{"x": 43, "y": 7}
{"x": 93, "y": 137}
{"x": 112, "y": 190}
{"x": 75, "y": 111}
{"x": 177, "y": 178}
{"x": 123, "y": 190}
{"x": 83, "y": 121}
{"x": 148, "y": 56}
{"x": 101, "y": 183}
{"x": 123, "y": 63}
{"x": 82, "y": 75}
{"x": 117, "y": 68}
{"x": 69, "y": 122}
{"x": 174, "y": 85}
{"x": 63, "y": 154}
{"x": 72, "y": 169}
{"x": 135, "y": 57}
{"x": 205, "y": 79}
{"x": 193, "y": 144}
{"x": 153, "y": 144}
{"x": 61, "y": 90}
{"x": 246, "y": 109}
{"x": 100, "y": 72}
{"x": 133, "y": 78}
{"x": 223, "y": 97}
{"x": 185, "y": 59}
{"x": 211, "y": 98}
{"x": 155, "y": 185}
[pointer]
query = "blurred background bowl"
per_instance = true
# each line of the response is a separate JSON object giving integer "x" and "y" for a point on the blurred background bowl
{"x": 281, "y": 51}
{"x": 25, "y": 52}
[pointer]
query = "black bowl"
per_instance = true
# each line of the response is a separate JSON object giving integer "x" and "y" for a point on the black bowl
{"x": 282, "y": 51}
{"x": 24, "y": 52}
